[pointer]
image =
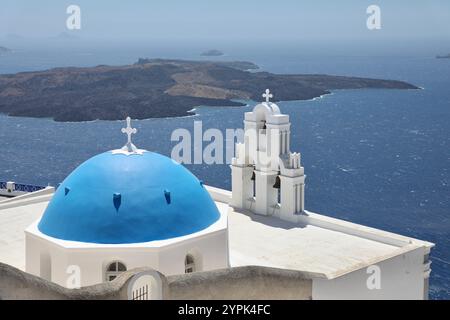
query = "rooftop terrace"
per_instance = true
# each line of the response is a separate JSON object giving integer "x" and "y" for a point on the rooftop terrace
{"x": 320, "y": 245}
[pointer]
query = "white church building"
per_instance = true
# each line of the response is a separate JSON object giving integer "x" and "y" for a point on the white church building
{"x": 130, "y": 208}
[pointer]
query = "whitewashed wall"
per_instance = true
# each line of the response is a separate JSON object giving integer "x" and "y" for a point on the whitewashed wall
{"x": 402, "y": 277}
{"x": 210, "y": 251}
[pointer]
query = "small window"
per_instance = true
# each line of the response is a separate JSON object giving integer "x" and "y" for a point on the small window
{"x": 114, "y": 269}
{"x": 121, "y": 267}
{"x": 189, "y": 264}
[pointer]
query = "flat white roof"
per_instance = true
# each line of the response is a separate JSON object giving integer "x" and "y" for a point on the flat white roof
{"x": 323, "y": 246}
{"x": 13, "y": 222}
{"x": 256, "y": 240}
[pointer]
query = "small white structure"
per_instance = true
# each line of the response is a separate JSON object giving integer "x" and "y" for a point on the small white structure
{"x": 267, "y": 178}
{"x": 124, "y": 209}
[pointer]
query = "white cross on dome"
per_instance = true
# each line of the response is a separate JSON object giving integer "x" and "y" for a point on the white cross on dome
{"x": 129, "y": 131}
{"x": 129, "y": 148}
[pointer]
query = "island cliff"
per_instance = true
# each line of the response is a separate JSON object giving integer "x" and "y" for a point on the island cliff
{"x": 153, "y": 88}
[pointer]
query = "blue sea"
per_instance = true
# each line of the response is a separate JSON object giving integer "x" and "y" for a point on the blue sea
{"x": 375, "y": 157}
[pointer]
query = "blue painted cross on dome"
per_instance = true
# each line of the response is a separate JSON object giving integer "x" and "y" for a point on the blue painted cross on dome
{"x": 267, "y": 95}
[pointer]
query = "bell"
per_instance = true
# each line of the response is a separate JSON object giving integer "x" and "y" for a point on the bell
{"x": 277, "y": 184}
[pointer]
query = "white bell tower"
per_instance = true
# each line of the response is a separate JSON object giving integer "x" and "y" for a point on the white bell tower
{"x": 267, "y": 178}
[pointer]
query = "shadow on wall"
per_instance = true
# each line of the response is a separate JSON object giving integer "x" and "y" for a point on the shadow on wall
{"x": 147, "y": 284}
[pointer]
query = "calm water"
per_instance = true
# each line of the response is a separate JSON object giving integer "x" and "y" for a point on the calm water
{"x": 376, "y": 157}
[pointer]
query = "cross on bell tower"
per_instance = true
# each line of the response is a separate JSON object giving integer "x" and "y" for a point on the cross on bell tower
{"x": 129, "y": 147}
{"x": 267, "y": 95}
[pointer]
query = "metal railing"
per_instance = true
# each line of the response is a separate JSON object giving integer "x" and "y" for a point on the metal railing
{"x": 20, "y": 187}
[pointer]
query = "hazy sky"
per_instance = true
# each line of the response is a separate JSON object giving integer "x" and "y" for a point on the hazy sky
{"x": 228, "y": 19}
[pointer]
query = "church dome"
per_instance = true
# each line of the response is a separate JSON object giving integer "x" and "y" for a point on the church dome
{"x": 121, "y": 197}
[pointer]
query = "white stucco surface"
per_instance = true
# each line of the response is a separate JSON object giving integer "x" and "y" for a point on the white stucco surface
{"x": 13, "y": 222}
{"x": 318, "y": 244}
{"x": 253, "y": 240}
{"x": 336, "y": 252}
{"x": 401, "y": 277}
{"x": 269, "y": 242}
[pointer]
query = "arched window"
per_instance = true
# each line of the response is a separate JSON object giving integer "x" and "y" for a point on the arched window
{"x": 114, "y": 269}
{"x": 189, "y": 264}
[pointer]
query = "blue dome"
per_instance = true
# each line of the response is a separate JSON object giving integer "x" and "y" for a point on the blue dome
{"x": 118, "y": 198}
